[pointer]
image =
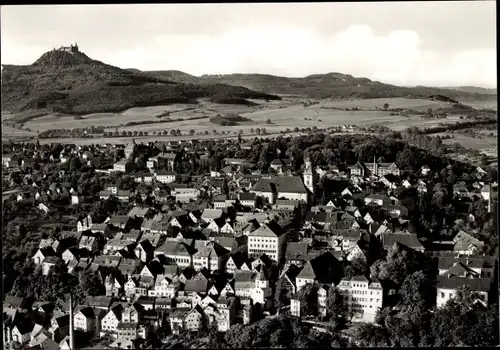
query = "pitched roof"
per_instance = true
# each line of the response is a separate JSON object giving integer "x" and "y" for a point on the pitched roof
{"x": 475, "y": 284}
{"x": 174, "y": 248}
{"x": 294, "y": 249}
{"x": 196, "y": 286}
{"x": 407, "y": 239}
{"x": 211, "y": 214}
{"x": 289, "y": 184}
{"x": 246, "y": 196}
{"x": 307, "y": 272}
{"x": 263, "y": 185}
{"x": 270, "y": 229}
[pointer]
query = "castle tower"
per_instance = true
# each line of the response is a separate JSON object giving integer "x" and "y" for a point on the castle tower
{"x": 308, "y": 175}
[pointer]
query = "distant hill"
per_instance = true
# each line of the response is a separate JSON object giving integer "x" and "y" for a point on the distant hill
{"x": 340, "y": 86}
{"x": 473, "y": 90}
{"x": 73, "y": 83}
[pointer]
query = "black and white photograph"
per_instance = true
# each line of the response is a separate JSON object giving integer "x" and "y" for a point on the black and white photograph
{"x": 249, "y": 175}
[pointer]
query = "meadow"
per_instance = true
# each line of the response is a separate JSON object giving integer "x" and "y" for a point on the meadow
{"x": 274, "y": 116}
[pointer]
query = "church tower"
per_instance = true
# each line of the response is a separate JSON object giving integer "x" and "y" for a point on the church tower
{"x": 308, "y": 175}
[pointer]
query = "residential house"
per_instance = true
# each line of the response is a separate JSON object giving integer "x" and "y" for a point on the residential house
{"x": 323, "y": 269}
{"x": 406, "y": 239}
{"x": 447, "y": 286}
{"x": 49, "y": 262}
{"x": 464, "y": 243}
{"x": 247, "y": 199}
{"x": 111, "y": 320}
{"x": 269, "y": 238}
{"x": 377, "y": 199}
{"x": 84, "y": 319}
{"x": 180, "y": 253}
{"x": 166, "y": 177}
{"x": 364, "y": 297}
{"x": 212, "y": 257}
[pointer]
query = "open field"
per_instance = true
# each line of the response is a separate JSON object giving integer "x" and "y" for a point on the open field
{"x": 396, "y": 102}
{"x": 473, "y": 143}
{"x": 10, "y": 132}
{"x": 285, "y": 114}
{"x": 484, "y": 104}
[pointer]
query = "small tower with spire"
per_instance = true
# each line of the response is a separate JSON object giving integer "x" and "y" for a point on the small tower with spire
{"x": 374, "y": 168}
{"x": 308, "y": 174}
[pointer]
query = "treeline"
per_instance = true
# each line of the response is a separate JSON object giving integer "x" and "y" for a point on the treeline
{"x": 71, "y": 133}
{"x": 443, "y": 127}
{"x": 228, "y": 120}
{"x": 145, "y": 122}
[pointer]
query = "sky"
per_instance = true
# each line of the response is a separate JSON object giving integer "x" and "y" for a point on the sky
{"x": 403, "y": 43}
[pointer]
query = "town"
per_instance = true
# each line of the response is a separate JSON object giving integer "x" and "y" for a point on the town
{"x": 303, "y": 241}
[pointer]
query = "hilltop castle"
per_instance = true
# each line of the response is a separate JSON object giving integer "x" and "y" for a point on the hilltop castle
{"x": 70, "y": 49}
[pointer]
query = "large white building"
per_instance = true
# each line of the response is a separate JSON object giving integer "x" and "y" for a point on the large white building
{"x": 166, "y": 177}
{"x": 269, "y": 238}
{"x": 364, "y": 297}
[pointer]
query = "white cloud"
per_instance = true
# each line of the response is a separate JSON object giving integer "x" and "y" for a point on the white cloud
{"x": 396, "y": 57}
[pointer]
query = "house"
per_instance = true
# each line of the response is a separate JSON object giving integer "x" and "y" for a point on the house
{"x": 381, "y": 169}
{"x": 21, "y": 333}
{"x": 358, "y": 169}
{"x": 466, "y": 244}
{"x": 119, "y": 221}
{"x": 377, "y": 199}
{"x": 165, "y": 177}
{"x": 424, "y": 170}
{"x": 43, "y": 253}
{"x": 447, "y": 287}
{"x": 264, "y": 188}
{"x": 49, "y": 262}
{"x": 140, "y": 212}
{"x": 84, "y": 224}
{"x": 177, "y": 318}
{"x": 111, "y": 320}
{"x": 212, "y": 257}
{"x": 286, "y": 205}
{"x": 345, "y": 239}
{"x": 269, "y": 238}
{"x": 237, "y": 261}
{"x": 298, "y": 253}
{"x": 478, "y": 265}
{"x": 324, "y": 269}
{"x": 144, "y": 251}
{"x": 59, "y": 326}
{"x": 364, "y": 297}
{"x": 247, "y": 199}
{"x": 180, "y": 253}
{"x": 120, "y": 166}
{"x": 164, "y": 161}
{"x": 194, "y": 319}
{"x": 114, "y": 284}
{"x": 210, "y": 215}
{"x": 195, "y": 286}
{"x": 409, "y": 240}
{"x": 290, "y": 187}
{"x": 84, "y": 319}
{"x": 219, "y": 202}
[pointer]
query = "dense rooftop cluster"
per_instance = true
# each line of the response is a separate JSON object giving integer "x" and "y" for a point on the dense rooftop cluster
{"x": 343, "y": 234}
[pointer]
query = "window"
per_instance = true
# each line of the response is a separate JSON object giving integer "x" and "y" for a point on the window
{"x": 442, "y": 295}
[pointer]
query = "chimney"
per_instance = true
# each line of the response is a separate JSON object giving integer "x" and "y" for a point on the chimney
{"x": 71, "y": 323}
